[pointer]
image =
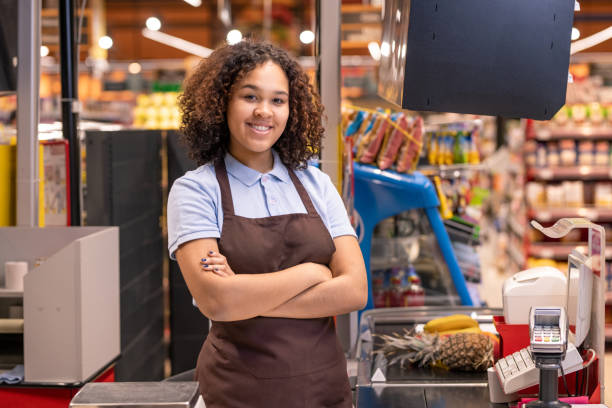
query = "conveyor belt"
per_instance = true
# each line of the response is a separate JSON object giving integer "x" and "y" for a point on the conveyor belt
{"x": 412, "y": 373}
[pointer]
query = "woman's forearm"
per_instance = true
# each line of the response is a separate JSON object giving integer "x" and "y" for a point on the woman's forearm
{"x": 244, "y": 296}
{"x": 334, "y": 297}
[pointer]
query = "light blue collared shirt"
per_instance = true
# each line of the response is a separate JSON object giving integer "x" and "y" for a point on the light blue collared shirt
{"x": 194, "y": 203}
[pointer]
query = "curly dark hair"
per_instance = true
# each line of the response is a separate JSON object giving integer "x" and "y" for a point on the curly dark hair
{"x": 208, "y": 91}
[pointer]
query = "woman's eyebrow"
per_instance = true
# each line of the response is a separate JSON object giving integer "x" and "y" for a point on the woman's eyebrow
{"x": 255, "y": 88}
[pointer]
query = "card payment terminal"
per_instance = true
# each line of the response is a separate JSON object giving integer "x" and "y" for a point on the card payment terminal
{"x": 548, "y": 330}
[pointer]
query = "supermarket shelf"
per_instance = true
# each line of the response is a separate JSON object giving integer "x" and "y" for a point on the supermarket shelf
{"x": 559, "y": 251}
{"x": 546, "y": 214}
{"x": 446, "y": 170}
{"x": 572, "y": 132}
{"x": 571, "y": 172}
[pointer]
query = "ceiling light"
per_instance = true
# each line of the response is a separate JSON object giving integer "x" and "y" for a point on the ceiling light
{"x": 307, "y": 36}
{"x": 153, "y": 23}
{"x": 177, "y": 43}
{"x": 105, "y": 42}
{"x": 575, "y": 33}
{"x": 44, "y": 51}
{"x": 234, "y": 37}
{"x": 374, "y": 49}
{"x": 385, "y": 49}
{"x": 134, "y": 68}
{"x": 194, "y": 3}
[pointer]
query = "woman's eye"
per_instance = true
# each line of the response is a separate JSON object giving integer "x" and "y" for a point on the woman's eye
{"x": 250, "y": 97}
{"x": 279, "y": 101}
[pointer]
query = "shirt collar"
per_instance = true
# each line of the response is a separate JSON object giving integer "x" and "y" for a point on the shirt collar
{"x": 248, "y": 176}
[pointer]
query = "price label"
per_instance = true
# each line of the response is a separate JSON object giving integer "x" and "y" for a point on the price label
{"x": 544, "y": 216}
{"x": 547, "y": 253}
{"x": 546, "y": 174}
{"x": 543, "y": 134}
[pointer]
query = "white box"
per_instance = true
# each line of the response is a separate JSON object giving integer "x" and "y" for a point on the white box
{"x": 542, "y": 286}
{"x": 71, "y": 299}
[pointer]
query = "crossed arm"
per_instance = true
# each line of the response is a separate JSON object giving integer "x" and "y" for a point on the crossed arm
{"x": 307, "y": 290}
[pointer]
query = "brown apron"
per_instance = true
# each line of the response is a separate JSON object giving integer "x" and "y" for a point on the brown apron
{"x": 273, "y": 362}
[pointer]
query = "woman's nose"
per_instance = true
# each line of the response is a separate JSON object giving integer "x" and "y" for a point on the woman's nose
{"x": 262, "y": 110}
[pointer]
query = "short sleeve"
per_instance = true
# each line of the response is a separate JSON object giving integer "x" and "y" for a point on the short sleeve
{"x": 192, "y": 212}
{"x": 337, "y": 217}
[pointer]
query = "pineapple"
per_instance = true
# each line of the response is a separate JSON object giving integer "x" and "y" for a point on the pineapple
{"x": 459, "y": 351}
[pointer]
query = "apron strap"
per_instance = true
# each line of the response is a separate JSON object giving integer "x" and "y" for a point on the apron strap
{"x": 226, "y": 193}
{"x": 302, "y": 192}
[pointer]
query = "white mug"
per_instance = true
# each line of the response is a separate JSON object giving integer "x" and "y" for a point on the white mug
{"x": 14, "y": 273}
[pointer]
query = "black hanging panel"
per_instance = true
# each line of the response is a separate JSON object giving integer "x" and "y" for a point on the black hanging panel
{"x": 491, "y": 57}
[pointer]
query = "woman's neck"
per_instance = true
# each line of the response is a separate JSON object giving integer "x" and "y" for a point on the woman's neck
{"x": 262, "y": 162}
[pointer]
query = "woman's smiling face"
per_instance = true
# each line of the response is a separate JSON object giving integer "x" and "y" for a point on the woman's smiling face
{"x": 257, "y": 112}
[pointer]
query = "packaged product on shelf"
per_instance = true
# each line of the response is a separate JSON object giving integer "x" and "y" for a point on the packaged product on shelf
{"x": 379, "y": 288}
{"x": 370, "y": 146}
{"x": 413, "y": 294}
{"x": 567, "y": 152}
{"x": 530, "y": 152}
{"x": 369, "y": 137}
{"x": 603, "y": 195}
{"x": 553, "y": 154}
{"x": 541, "y": 155}
{"x": 562, "y": 116}
{"x": 411, "y": 149}
{"x": 602, "y": 157}
{"x": 579, "y": 113}
{"x": 535, "y": 194}
{"x": 392, "y": 143}
{"x": 585, "y": 153}
{"x": 432, "y": 153}
{"x": 364, "y": 131}
{"x": 596, "y": 113}
{"x": 555, "y": 195}
{"x": 395, "y": 290}
{"x": 460, "y": 148}
{"x": 473, "y": 154}
{"x": 354, "y": 122}
{"x": 574, "y": 193}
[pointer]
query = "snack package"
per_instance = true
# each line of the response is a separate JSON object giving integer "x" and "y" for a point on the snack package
{"x": 371, "y": 147}
{"x": 363, "y": 132}
{"x": 409, "y": 153}
{"x": 354, "y": 123}
{"x": 392, "y": 144}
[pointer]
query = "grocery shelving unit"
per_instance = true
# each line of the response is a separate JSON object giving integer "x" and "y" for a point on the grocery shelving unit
{"x": 544, "y": 134}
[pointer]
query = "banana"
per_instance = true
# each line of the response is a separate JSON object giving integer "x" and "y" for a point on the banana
{"x": 466, "y": 330}
{"x": 453, "y": 322}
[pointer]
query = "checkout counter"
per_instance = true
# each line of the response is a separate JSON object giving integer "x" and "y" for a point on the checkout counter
{"x": 379, "y": 384}
{"x": 70, "y": 300}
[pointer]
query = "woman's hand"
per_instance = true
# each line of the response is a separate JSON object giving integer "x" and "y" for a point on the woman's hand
{"x": 217, "y": 264}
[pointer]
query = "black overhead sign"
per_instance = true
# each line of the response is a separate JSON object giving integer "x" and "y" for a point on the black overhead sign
{"x": 492, "y": 57}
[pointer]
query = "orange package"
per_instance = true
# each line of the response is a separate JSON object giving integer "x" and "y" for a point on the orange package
{"x": 410, "y": 151}
{"x": 393, "y": 142}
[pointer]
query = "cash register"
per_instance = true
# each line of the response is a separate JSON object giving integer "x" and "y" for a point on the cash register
{"x": 556, "y": 331}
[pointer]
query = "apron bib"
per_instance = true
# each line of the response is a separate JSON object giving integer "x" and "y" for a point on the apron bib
{"x": 264, "y": 361}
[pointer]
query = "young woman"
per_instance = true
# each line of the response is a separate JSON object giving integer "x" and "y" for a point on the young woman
{"x": 263, "y": 240}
